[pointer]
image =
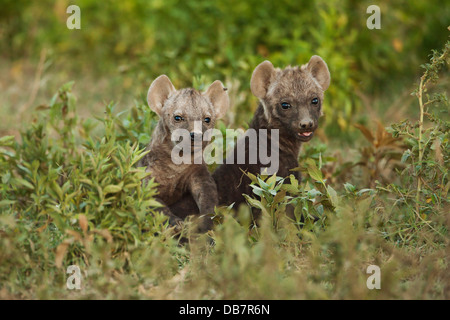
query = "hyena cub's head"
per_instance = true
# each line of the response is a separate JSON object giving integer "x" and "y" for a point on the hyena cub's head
{"x": 292, "y": 97}
{"x": 188, "y": 109}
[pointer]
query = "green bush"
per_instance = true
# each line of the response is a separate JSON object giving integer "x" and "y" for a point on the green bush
{"x": 70, "y": 186}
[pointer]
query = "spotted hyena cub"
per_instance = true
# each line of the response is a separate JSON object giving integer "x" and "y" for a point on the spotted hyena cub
{"x": 290, "y": 101}
{"x": 183, "y": 111}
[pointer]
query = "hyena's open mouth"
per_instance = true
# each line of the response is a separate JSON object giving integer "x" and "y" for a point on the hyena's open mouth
{"x": 305, "y": 135}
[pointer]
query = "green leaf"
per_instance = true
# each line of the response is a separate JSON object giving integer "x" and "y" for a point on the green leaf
{"x": 254, "y": 203}
{"x": 57, "y": 189}
{"x": 257, "y": 190}
{"x": 251, "y": 176}
{"x": 349, "y": 187}
{"x": 6, "y": 141}
{"x": 271, "y": 181}
{"x": 112, "y": 189}
{"x": 313, "y": 171}
{"x": 24, "y": 183}
{"x": 294, "y": 181}
{"x": 333, "y": 196}
{"x": 289, "y": 188}
{"x": 279, "y": 197}
{"x": 152, "y": 203}
{"x": 405, "y": 156}
{"x": 313, "y": 193}
{"x": 144, "y": 138}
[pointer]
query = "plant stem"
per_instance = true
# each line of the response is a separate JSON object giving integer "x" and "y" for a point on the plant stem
{"x": 421, "y": 106}
{"x": 423, "y": 83}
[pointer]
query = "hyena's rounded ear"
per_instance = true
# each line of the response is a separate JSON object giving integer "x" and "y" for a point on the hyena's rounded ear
{"x": 319, "y": 71}
{"x": 218, "y": 95}
{"x": 261, "y": 79}
{"x": 160, "y": 89}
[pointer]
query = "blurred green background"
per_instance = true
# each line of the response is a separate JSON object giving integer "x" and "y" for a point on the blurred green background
{"x": 123, "y": 45}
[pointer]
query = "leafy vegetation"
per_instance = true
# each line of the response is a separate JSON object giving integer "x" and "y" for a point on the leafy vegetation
{"x": 71, "y": 194}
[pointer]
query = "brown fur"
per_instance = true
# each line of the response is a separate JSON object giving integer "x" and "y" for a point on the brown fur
{"x": 295, "y": 85}
{"x": 176, "y": 180}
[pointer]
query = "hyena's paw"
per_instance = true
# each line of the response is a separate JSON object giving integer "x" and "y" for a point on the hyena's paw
{"x": 204, "y": 223}
{"x": 176, "y": 223}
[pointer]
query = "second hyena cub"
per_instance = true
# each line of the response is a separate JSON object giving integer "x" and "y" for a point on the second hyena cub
{"x": 194, "y": 112}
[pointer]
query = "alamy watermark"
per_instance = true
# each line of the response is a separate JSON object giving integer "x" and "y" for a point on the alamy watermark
{"x": 373, "y": 281}
{"x": 188, "y": 150}
{"x": 74, "y": 20}
{"x": 374, "y": 20}
{"x": 74, "y": 280}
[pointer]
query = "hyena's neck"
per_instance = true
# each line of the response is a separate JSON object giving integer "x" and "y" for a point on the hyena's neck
{"x": 160, "y": 144}
{"x": 287, "y": 142}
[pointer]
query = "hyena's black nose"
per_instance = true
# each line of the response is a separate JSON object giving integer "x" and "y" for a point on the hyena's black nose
{"x": 306, "y": 124}
{"x": 195, "y": 135}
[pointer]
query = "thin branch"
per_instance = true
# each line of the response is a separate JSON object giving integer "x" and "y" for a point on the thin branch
{"x": 36, "y": 82}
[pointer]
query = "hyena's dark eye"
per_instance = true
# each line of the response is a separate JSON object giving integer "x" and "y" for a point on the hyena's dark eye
{"x": 178, "y": 118}
{"x": 285, "y": 105}
{"x": 315, "y": 101}
{"x": 207, "y": 120}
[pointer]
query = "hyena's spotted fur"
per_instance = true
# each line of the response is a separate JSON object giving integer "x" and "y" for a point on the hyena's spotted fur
{"x": 290, "y": 101}
{"x": 177, "y": 180}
